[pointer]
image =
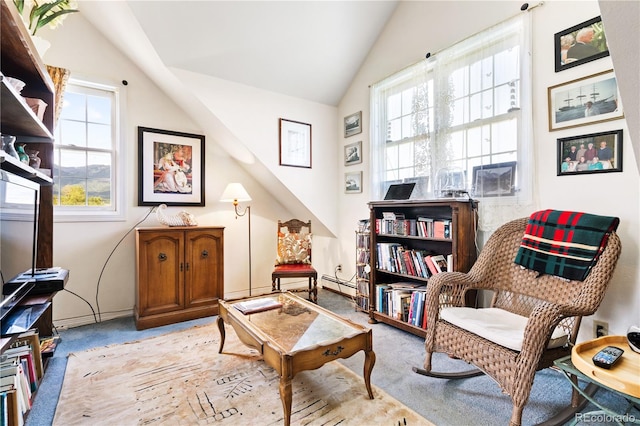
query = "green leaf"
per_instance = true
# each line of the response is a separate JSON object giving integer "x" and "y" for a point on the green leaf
{"x": 53, "y": 16}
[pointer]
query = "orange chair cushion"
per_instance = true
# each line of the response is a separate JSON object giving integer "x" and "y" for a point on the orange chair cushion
{"x": 294, "y": 269}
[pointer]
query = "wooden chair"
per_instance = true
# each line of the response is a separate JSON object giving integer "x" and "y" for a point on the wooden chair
{"x": 294, "y": 257}
{"x": 552, "y": 309}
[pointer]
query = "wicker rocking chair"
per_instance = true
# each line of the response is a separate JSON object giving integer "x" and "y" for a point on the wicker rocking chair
{"x": 552, "y": 308}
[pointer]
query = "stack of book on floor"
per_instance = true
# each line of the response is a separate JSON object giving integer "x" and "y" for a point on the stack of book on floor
{"x": 20, "y": 372}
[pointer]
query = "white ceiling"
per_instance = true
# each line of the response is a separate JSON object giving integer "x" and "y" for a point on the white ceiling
{"x": 307, "y": 49}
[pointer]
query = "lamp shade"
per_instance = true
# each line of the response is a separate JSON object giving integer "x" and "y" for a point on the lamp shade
{"x": 235, "y": 192}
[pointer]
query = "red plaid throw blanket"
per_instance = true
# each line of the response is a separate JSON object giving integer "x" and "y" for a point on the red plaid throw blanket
{"x": 562, "y": 243}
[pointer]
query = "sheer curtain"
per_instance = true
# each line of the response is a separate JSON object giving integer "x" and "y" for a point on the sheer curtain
{"x": 465, "y": 124}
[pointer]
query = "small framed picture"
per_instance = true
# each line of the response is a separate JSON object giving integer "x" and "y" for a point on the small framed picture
{"x": 353, "y": 182}
{"x": 587, "y": 100}
{"x": 353, "y": 153}
{"x": 592, "y": 153}
{"x": 353, "y": 124}
{"x": 295, "y": 143}
{"x": 494, "y": 180}
{"x": 170, "y": 168}
{"x": 580, "y": 44}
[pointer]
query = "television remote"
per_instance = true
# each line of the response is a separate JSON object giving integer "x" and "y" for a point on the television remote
{"x": 607, "y": 357}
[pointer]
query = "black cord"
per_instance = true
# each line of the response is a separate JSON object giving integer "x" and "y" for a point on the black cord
{"x": 95, "y": 319}
{"x": 111, "y": 254}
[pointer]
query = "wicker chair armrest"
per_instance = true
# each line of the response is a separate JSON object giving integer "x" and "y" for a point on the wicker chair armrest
{"x": 448, "y": 288}
{"x": 543, "y": 319}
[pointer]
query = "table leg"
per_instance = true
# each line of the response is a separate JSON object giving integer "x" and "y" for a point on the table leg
{"x": 222, "y": 333}
{"x": 369, "y": 361}
{"x": 285, "y": 396}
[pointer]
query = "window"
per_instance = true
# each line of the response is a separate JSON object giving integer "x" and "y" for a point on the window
{"x": 464, "y": 107}
{"x": 86, "y": 154}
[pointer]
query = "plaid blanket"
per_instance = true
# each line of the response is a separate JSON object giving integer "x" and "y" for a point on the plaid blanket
{"x": 565, "y": 244}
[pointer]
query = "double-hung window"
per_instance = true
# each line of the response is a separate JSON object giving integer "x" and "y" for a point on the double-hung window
{"x": 458, "y": 119}
{"x": 86, "y": 153}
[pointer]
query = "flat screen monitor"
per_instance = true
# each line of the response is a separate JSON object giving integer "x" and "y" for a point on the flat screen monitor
{"x": 19, "y": 208}
{"x": 401, "y": 191}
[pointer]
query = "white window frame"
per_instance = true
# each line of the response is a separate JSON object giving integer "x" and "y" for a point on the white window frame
{"x": 116, "y": 211}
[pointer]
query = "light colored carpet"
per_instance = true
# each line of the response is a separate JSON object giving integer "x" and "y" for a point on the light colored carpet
{"x": 181, "y": 379}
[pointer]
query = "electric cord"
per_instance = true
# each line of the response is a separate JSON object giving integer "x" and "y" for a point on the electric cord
{"x": 95, "y": 319}
{"x": 109, "y": 257}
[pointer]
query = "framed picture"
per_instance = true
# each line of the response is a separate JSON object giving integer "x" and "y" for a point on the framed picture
{"x": 494, "y": 180}
{"x": 580, "y": 44}
{"x": 353, "y": 153}
{"x": 353, "y": 124}
{"x": 170, "y": 168}
{"x": 587, "y": 100}
{"x": 353, "y": 182}
{"x": 592, "y": 153}
{"x": 295, "y": 143}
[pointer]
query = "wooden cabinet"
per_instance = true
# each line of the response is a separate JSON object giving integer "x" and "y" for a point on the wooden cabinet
{"x": 179, "y": 274}
{"x": 397, "y": 235}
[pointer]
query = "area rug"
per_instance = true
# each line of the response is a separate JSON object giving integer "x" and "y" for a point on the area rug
{"x": 181, "y": 379}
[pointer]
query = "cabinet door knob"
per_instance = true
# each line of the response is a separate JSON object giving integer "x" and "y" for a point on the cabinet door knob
{"x": 162, "y": 257}
{"x": 205, "y": 253}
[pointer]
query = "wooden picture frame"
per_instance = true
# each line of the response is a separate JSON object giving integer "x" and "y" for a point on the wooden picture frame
{"x": 580, "y": 44}
{"x": 353, "y": 124}
{"x": 353, "y": 153}
{"x": 170, "y": 168}
{"x": 605, "y": 147}
{"x": 353, "y": 182}
{"x": 494, "y": 180}
{"x": 569, "y": 102}
{"x": 295, "y": 143}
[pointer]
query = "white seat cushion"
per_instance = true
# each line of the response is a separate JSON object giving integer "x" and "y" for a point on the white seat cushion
{"x": 497, "y": 325}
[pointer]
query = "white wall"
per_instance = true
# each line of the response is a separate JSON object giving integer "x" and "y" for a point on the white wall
{"x": 420, "y": 27}
{"x": 416, "y": 28}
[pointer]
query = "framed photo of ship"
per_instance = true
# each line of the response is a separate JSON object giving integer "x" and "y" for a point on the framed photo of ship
{"x": 587, "y": 100}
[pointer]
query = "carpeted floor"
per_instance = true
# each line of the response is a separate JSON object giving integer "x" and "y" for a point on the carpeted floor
{"x": 475, "y": 401}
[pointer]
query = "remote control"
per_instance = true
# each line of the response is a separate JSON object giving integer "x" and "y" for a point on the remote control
{"x": 607, "y": 357}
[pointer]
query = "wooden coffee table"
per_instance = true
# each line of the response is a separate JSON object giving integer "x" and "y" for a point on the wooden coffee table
{"x": 297, "y": 336}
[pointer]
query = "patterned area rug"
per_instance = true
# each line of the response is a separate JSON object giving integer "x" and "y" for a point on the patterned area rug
{"x": 181, "y": 379}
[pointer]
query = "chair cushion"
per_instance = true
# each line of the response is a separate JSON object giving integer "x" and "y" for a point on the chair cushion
{"x": 293, "y": 247}
{"x": 497, "y": 325}
{"x": 294, "y": 269}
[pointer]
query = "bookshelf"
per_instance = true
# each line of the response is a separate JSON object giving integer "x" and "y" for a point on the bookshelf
{"x": 363, "y": 269}
{"x": 403, "y": 235}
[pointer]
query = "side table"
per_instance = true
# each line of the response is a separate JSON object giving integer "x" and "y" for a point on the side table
{"x": 622, "y": 379}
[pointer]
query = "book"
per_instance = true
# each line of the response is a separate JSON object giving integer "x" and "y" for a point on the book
{"x": 257, "y": 305}
{"x": 432, "y": 267}
{"x": 440, "y": 262}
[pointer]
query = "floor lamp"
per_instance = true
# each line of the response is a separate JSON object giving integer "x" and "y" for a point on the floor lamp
{"x": 234, "y": 193}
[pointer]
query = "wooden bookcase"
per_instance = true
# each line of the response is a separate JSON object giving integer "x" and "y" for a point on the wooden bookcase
{"x": 460, "y": 215}
{"x": 179, "y": 274}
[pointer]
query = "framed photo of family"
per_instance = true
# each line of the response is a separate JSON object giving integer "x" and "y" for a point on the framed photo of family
{"x": 170, "y": 168}
{"x": 592, "y": 153}
{"x": 580, "y": 44}
{"x": 587, "y": 100}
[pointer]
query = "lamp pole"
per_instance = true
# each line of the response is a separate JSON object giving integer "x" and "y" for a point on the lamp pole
{"x": 247, "y": 211}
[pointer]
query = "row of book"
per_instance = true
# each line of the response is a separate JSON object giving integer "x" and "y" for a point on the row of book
{"x": 20, "y": 372}
{"x": 426, "y": 227}
{"x": 403, "y": 302}
{"x": 394, "y": 257}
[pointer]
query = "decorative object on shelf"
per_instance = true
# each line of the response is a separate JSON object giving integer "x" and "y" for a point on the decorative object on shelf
{"x": 38, "y": 106}
{"x": 170, "y": 168}
{"x": 39, "y": 13}
{"x": 450, "y": 182}
{"x": 494, "y": 180}
{"x": 34, "y": 160}
{"x": 42, "y": 45}
{"x": 15, "y": 83}
{"x": 22, "y": 155}
{"x": 234, "y": 193}
{"x": 8, "y": 145}
{"x": 295, "y": 143}
{"x": 183, "y": 218}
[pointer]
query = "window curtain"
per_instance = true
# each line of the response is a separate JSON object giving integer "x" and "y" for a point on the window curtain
{"x": 452, "y": 141}
{"x": 60, "y": 76}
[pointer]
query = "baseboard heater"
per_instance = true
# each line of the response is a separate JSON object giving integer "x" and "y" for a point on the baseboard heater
{"x": 334, "y": 280}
